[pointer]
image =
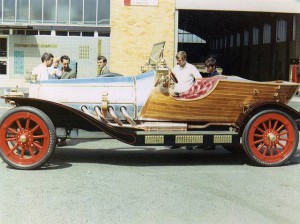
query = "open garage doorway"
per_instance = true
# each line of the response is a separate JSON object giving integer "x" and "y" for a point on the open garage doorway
{"x": 253, "y": 45}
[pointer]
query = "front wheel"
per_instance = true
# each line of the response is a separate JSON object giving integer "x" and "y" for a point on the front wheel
{"x": 27, "y": 138}
{"x": 270, "y": 138}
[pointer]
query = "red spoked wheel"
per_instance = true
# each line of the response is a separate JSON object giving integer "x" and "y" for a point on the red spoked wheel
{"x": 270, "y": 138}
{"x": 27, "y": 138}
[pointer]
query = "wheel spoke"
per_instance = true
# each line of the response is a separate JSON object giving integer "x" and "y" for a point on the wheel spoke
{"x": 275, "y": 125}
{"x": 35, "y": 128}
{"x": 281, "y": 145}
{"x": 37, "y": 145}
{"x": 270, "y": 124}
{"x": 19, "y": 124}
{"x": 265, "y": 126}
{"x": 27, "y": 124}
{"x": 265, "y": 150}
{"x": 260, "y": 146}
{"x": 13, "y": 149}
{"x": 11, "y": 139}
{"x": 271, "y": 150}
{"x": 38, "y": 136}
{"x": 12, "y": 130}
{"x": 22, "y": 152}
{"x": 283, "y": 133}
{"x": 31, "y": 151}
{"x": 258, "y": 141}
{"x": 277, "y": 150}
{"x": 259, "y": 129}
{"x": 283, "y": 139}
{"x": 282, "y": 126}
{"x": 258, "y": 135}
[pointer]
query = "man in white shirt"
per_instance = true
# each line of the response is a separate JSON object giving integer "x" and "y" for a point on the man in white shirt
{"x": 41, "y": 71}
{"x": 185, "y": 73}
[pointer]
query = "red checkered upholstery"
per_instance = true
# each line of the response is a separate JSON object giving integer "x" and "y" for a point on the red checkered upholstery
{"x": 201, "y": 87}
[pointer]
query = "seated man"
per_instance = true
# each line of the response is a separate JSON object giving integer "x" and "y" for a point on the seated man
{"x": 185, "y": 73}
{"x": 211, "y": 67}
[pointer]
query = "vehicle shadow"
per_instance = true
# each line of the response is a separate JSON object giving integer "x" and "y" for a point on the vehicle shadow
{"x": 149, "y": 156}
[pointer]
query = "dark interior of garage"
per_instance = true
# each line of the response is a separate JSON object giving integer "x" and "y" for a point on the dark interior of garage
{"x": 253, "y": 45}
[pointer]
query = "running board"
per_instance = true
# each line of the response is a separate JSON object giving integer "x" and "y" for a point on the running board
{"x": 188, "y": 138}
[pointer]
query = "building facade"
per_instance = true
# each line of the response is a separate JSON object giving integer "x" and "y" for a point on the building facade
{"x": 258, "y": 47}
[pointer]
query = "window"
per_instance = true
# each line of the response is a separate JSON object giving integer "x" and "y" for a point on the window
{"x": 49, "y": 11}
{"x": 187, "y": 37}
{"x": 22, "y": 10}
{"x": 246, "y": 37}
{"x": 9, "y": 11}
{"x": 281, "y": 30}
{"x": 255, "y": 36}
{"x": 238, "y": 39}
{"x": 45, "y": 32}
{"x": 32, "y": 32}
{"x": 3, "y": 47}
{"x": 63, "y": 11}
{"x": 231, "y": 40}
{"x": 294, "y": 27}
{"x": 87, "y": 34}
{"x": 103, "y": 12}
{"x": 76, "y": 11}
{"x": 74, "y": 33}
{"x": 19, "y": 32}
{"x": 36, "y": 11}
{"x": 1, "y": 11}
{"x": 267, "y": 34}
{"x": 61, "y": 33}
{"x": 90, "y": 11}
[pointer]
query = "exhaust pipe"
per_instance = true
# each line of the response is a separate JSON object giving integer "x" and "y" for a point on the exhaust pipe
{"x": 127, "y": 116}
{"x": 114, "y": 116}
{"x": 99, "y": 114}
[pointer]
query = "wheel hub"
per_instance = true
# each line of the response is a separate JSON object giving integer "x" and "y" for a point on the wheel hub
{"x": 23, "y": 138}
{"x": 272, "y": 137}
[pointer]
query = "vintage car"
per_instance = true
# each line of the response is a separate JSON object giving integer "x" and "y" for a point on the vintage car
{"x": 142, "y": 110}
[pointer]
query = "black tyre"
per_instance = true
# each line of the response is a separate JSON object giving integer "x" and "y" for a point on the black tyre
{"x": 27, "y": 138}
{"x": 270, "y": 138}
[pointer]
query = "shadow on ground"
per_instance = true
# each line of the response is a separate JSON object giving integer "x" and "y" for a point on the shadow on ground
{"x": 149, "y": 156}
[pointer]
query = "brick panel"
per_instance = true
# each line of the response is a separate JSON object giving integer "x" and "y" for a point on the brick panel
{"x": 134, "y": 30}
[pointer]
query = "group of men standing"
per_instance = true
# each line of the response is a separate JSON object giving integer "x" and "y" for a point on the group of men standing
{"x": 50, "y": 69}
{"x": 58, "y": 68}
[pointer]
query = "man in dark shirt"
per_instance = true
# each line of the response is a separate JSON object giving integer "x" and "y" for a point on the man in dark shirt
{"x": 211, "y": 67}
{"x": 102, "y": 61}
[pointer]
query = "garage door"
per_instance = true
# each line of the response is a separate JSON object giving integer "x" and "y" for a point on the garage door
{"x": 282, "y": 6}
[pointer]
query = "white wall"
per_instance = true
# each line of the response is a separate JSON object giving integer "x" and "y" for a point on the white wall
{"x": 83, "y": 50}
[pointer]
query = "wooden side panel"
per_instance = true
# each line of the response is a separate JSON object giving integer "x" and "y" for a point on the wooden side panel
{"x": 224, "y": 104}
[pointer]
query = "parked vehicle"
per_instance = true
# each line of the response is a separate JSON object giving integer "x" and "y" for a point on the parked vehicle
{"x": 140, "y": 110}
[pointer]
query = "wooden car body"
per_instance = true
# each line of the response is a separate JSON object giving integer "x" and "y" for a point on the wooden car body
{"x": 143, "y": 110}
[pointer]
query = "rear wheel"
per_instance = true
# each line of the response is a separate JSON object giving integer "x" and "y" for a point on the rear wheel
{"x": 270, "y": 138}
{"x": 27, "y": 138}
